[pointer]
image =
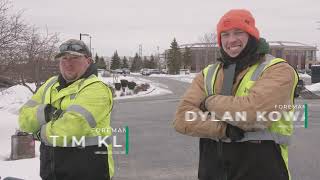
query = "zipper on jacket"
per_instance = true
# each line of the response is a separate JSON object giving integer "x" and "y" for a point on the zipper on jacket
{"x": 52, "y": 164}
{"x": 223, "y": 173}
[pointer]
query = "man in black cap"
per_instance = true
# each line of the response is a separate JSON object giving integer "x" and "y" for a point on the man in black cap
{"x": 66, "y": 114}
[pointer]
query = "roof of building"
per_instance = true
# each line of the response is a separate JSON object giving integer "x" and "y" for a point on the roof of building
{"x": 271, "y": 43}
{"x": 197, "y": 45}
{"x": 290, "y": 44}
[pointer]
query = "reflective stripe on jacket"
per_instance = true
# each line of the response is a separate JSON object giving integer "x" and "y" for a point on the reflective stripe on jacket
{"x": 86, "y": 107}
{"x": 280, "y": 131}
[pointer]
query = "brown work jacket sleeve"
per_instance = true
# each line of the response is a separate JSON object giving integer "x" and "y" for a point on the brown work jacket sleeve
{"x": 274, "y": 88}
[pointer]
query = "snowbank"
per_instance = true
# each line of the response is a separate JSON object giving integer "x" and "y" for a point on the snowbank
{"x": 314, "y": 87}
{"x": 304, "y": 75}
{"x": 136, "y": 74}
{"x": 184, "y": 78}
{"x": 24, "y": 169}
{"x": 13, "y": 98}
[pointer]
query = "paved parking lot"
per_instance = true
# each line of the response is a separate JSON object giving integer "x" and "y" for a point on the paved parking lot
{"x": 158, "y": 152}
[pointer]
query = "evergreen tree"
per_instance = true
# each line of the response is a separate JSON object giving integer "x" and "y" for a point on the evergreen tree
{"x": 125, "y": 63}
{"x": 115, "y": 61}
{"x": 153, "y": 63}
{"x": 186, "y": 59}
{"x": 146, "y": 63}
{"x": 101, "y": 64}
{"x": 137, "y": 63}
{"x": 174, "y": 58}
{"x": 96, "y": 58}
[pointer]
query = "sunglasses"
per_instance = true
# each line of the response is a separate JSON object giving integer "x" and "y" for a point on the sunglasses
{"x": 71, "y": 47}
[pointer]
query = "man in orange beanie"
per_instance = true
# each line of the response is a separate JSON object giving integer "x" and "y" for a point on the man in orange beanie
{"x": 247, "y": 80}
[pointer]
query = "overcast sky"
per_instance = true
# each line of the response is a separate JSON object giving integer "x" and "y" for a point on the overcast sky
{"x": 124, "y": 24}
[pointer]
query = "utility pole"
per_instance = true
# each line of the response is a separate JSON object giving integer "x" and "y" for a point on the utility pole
{"x": 158, "y": 57}
{"x": 140, "y": 50}
{"x": 81, "y": 34}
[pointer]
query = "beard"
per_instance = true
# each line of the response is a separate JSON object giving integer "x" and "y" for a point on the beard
{"x": 70, "y": 77}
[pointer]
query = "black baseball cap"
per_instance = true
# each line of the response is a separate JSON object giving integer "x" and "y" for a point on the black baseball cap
{"x": 74, "y": 47}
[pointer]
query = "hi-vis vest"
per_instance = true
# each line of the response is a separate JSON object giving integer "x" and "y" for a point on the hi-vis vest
{"x": 281, "y": 130}
{"x": 76, "y": 111}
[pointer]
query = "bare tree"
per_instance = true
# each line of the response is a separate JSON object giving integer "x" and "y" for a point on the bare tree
{"x": 210, "y": 44}
{"x": 209, "y": 38}
{"x": 12, "y": 30}
{"x": 23, "y": 49}
{"x": 11, "y": 34}
{"x": 38, "y": 50}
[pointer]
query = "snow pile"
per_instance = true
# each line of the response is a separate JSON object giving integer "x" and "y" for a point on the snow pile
{"x": 304, "y": 75}
{"x": 314, "y": 87}
{"x": 184, "y": 78}
{"x": 136, "y": 74}
{"x": 23, "y": 169}
{"x": 13, "y": 98}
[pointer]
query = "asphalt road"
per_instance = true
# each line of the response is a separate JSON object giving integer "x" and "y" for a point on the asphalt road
{"x": 158, "y": 152}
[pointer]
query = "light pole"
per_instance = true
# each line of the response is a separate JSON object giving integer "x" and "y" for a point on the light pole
{"x": 158, "y": 58}
{"x": 92, "y": 51}
{"x": 81, "y": 34}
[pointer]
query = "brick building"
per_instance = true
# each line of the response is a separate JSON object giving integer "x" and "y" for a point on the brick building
{"x": 298, "y": 55}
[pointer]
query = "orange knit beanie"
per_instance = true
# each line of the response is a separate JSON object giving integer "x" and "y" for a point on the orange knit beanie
{"x": 240, "y": 19}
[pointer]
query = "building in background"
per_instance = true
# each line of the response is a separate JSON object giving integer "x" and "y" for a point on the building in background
{"x": 298, "y": 55}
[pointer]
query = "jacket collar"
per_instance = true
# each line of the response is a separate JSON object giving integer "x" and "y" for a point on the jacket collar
{"x": 92, "y": 69}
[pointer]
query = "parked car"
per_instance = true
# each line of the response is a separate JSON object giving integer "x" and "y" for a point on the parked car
{"x": 106, "y": 74}
{"x": 184, "y": 71}
{"x": 144, "y": 71}
{"x": 148, "y": 72}
{"x": 117, "y": 71}
{"x": 125, "y": 71}
{"x": 121, "y": 71}
{"x": 164, "y": 71}
{"x": 154, "y": 71}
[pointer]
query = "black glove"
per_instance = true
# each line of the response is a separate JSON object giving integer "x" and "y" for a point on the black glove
{"x": 234, "y": 133}
{"x": 51, "y": 113}
{"x": 37, "y": 135}
{"x": 202, "y": 106}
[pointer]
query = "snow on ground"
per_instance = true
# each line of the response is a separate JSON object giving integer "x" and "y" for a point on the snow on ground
{"x": 181, "y": 77}
{"x": 136, "y": 74}
{"x": 155, "y": 88}
{"x": 301, "y": 75}
{"x": 314, "y": 87}
{"x": 24, "y": 169}
{"x": 188, "y": 78}
{"x": 311, "y": 87}
{"x": 13, "y": 98}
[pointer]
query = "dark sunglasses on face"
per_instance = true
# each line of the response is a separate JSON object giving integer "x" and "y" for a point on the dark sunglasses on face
{"x": 70, "y": 47}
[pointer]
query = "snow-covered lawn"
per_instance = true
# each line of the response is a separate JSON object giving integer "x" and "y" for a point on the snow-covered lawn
{"x": 155, "y": 88}
{"x": 302, "y": 75}
{"x": 13, "y": 98}
{"x": 314, "y": 87}
{"x": 184, "y": 78}
{"x": 188, "y": 78}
